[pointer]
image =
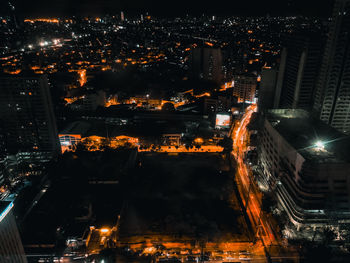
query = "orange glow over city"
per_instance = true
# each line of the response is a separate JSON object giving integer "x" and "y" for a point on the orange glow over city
{"x": 14, "y": 72}
{"x": 71, "y": 100}
{"x": 206, "y": 94}
{"x": 82, "y": 77}
{"x": 183, "y": 149}
{"x": 226, "y": 86}
{"x": 45, "y": 20}
{"x": 111, "y": 102}
{"x": 96, "y": 143}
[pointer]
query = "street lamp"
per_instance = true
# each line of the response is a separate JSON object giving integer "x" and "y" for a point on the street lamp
{"x": 319, "y": 145}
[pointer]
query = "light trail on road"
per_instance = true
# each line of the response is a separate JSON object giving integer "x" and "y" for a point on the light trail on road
{"x": 248, "y": 188}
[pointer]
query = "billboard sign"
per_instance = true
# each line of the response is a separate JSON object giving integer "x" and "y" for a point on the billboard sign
{"x": 223, "y": 121}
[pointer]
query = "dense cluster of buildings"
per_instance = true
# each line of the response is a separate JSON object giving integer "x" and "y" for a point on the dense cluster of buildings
{"x": 114, "y": 82}
{"x": 304, "y": 143}
{"x": 178, "y": 85}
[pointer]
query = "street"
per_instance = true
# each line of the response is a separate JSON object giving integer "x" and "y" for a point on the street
{"x": 251, "y": 195}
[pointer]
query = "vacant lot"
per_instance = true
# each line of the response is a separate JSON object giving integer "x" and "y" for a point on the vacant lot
{"x": 181, "y": 198}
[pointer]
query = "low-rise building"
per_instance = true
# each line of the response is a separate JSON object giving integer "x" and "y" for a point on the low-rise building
{"x": 306, "y": 164}
{"x": 72, "y": 134}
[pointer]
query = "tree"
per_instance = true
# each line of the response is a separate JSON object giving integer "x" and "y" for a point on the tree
{"x": 105, "y": 144}
{"x": 108, "y": 255}
{"x": 345, "y": 229}
{"x": 328, "y": 236}
{"x": 268, "y": 203}
{"x": 227, "y": 144}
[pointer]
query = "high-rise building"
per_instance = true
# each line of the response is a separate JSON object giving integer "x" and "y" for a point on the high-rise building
{"x": 13, "y": 16}
{"x": 26, "y": 115}
{"x": 267, "y": 89}
{"x": 122, "y": 18}
{"x": 11, "y": 248}
{"x": 207, "y": 64}
{"x": 299, "y": 66}
{"x": 244, "y": 87}
{"x": 332, "y": 97}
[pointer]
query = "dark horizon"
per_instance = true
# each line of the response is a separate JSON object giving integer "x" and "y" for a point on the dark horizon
{"x": 171, "y": 9}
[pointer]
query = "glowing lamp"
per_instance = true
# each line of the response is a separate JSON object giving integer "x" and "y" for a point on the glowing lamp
{"x": 319, "y": 144}
{"x": 104, "y": 230}
{"x": 198, "y": 140}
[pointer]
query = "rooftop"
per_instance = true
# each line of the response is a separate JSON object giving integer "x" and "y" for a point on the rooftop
{"x": 77, "y": 127}
{"x": 5, "y": 207}
{"x": 313, "y": 139}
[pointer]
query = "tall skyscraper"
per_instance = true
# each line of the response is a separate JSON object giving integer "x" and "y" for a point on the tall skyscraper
{"x": 332, "y": 97}
{"x": 122, "y": 18}
{"x": 26, "y": 115}
{"x": 298, "y": 70}
{"x": 267, "y": 89}
{"x": 207, "y": 64}
{"x": 11, "y": 248}
{"x": 13, "y": 15}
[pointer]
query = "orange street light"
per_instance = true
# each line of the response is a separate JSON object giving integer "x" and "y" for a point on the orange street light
{"x": 104, "y": 230}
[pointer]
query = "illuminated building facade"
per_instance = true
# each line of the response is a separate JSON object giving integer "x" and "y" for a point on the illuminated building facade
{"x": 72, "y": 134}
{"x": 11, "y": 248}
{"x": 207, "y": 64}
{"x": 68, "y": 141}
{"x": 309, "y": 177}
{"x": 332, "y": 97}
{"x": 244, "y": 87}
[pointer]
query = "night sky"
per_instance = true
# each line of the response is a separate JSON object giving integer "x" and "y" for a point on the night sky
{"x": 172, "y": 7}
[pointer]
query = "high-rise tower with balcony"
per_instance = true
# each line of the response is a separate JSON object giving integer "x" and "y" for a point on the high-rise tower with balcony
{"x": 26, "y": 115}
{"x": 332, "y": 97}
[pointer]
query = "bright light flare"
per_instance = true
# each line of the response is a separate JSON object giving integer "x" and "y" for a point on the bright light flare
{"x": 319, "y": 144}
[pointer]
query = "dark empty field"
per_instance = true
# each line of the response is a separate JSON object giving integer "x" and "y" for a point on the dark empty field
{"x": 185, "y": 197}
